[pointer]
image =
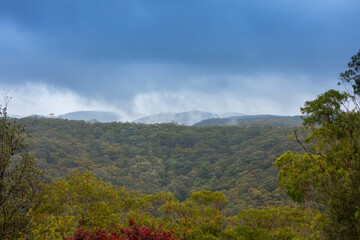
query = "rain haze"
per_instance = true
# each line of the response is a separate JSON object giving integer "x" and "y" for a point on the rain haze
{"x": 138, "y": 58}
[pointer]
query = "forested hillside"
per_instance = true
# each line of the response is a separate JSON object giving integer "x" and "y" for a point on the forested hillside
{"x": 248, "y": 120}
{"x": 168, "y": 158}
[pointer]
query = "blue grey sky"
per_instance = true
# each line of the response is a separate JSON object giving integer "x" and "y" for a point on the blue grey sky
{"x": 141, "y": 57}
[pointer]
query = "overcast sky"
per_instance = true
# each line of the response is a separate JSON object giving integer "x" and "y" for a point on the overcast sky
{"x": 141, "y": 57}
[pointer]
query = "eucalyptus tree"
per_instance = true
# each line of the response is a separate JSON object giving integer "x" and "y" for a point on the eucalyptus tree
{"x": 328, "y": 172}
{"x": 19, "y": 178}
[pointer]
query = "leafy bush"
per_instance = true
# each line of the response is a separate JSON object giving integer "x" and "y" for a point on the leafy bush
{"x": 133, "y": 233}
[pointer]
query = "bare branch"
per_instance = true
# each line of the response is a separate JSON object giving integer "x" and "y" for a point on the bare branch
{"x": 308, "y": 151}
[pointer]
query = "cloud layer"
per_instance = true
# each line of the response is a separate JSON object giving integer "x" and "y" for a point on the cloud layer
{"x": 144, "y": 57}
{"x": 259, "y": 95}
{"x": 41, "y": 99}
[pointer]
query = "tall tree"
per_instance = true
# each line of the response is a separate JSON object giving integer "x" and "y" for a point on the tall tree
{"x": 352, "y": 75}
{"x": 19, "y": 178}
{"x": 328, "y": 172}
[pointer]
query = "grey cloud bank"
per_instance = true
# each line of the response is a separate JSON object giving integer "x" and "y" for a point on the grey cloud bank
{"x": 146, "y": 57}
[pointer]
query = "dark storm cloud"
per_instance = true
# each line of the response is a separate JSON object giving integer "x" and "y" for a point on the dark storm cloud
{"x": 115, "y": 49}
{"x": 201, "y": 32}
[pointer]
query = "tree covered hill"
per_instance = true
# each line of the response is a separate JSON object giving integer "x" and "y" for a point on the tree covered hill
{"x": 248, "y": 120}
{"x": 168, "y": 157}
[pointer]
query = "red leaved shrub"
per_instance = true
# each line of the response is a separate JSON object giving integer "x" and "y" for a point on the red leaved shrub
{"x": 133, "y": 233}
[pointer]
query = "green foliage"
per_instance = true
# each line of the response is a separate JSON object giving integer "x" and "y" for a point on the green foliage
{"x": 198, "y": 217}
{"x": 329, "y": 171}
{"x": 80, "y": 200}
{"x": 168, "y": 158}
{"x": 19, "y": 178}
{"x": 83, "y": 201}
{"x": 270, "y": 223}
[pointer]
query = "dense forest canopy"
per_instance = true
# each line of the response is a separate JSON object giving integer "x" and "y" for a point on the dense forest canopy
{"x": 167, "y": 157}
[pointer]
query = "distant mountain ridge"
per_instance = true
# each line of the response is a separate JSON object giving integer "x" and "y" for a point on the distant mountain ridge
{"x": 184, "y": 118}
{"x": 100, "y": 116}
{"x": 15, "y": 116}
{"x": 190, "y": 118}
{"x": 246, "y": 120}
